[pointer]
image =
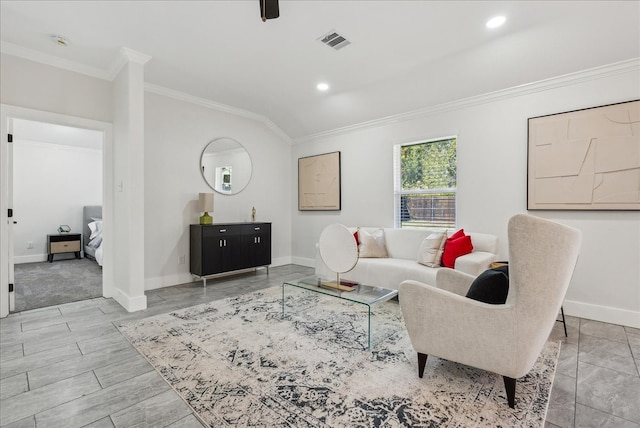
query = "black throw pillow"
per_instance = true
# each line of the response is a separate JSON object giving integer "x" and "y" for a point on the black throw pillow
{"x": 491, "y": 286}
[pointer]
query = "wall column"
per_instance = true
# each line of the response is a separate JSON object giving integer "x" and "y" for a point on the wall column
{"x": 128, "y": 207}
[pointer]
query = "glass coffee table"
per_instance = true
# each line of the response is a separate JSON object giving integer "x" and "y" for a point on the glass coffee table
{"x": 362, "y": 294}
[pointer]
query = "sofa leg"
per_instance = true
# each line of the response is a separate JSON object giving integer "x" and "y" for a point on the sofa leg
{"x": 422, "y": 362}
{"x": 510, "y": 388}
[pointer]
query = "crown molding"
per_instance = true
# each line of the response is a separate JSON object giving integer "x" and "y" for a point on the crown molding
{"x": 134, "y": 56}
{"x": 622, "y": 67}
{"x": 203, "y": 102}
{"x": 52, "y": 60}
{"x": 130, "y": 55}
{"x": 125, "y": 56}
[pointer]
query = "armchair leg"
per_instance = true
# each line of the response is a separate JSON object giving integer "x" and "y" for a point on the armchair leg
{"x": 510, "y": 388}
{"x": 422, "y": 362}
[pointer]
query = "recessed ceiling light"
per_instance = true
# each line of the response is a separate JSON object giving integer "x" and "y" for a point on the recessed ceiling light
{"x": 59, "y": 40}
{"x": 322, "y": 86}
{"x": 496, "y": 21}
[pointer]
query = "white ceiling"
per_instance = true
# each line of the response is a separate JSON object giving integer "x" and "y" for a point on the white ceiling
{"x": 404, "y": 55}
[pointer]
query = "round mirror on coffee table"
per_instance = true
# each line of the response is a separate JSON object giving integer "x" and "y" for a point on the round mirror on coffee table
{"x": 338, "y": 249}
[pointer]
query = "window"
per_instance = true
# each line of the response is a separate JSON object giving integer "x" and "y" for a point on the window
{"x": 425, "y": 184}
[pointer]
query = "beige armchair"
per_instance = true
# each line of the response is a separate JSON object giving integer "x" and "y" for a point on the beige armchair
{"x": 505, "y": 339}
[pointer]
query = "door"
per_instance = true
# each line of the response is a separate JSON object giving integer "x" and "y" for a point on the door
{"x": 11, "y": 220}
{"x": 8, "y": 114}
{"x": 68, "y": 159}
{"x": 221, "y": 249}
{"x": 258, "y": 244}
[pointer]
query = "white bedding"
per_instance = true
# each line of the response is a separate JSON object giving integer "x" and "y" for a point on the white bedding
{"x": 95, "y": 240}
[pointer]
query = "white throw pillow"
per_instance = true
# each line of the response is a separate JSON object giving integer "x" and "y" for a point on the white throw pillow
{"x": 431, "y": 249}
{"x": 95, "y": 227}
{"x": 372, "y": 244}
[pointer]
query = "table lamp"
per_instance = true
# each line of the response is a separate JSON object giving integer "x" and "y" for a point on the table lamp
{"x": 206, "y": 206}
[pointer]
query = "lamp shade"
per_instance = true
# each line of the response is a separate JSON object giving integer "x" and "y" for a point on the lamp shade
{"x": 206, "y": 202}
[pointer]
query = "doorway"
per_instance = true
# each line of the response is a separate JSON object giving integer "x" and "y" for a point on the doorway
{"x": 57, "y": 170}
{"x": 8, "y": 114}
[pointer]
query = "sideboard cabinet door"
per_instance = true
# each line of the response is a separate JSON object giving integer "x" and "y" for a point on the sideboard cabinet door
{"x": 258, "y": 244}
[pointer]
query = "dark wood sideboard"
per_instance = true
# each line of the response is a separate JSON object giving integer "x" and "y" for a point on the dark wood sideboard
{"x": 221, "y": 248}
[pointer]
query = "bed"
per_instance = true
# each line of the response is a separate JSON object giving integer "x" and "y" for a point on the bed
{"x": 92, "y": 232}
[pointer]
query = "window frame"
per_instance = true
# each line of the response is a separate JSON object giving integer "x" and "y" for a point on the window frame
{"x": 398, "y": 192}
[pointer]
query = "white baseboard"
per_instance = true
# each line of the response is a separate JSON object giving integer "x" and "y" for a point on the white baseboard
{"x": 185, "y": 277}
{"x": 304, "y": 262}
{"x": 167, "y": 281}
{"x": 281, "y": 261}
{"x": 602, "y": 313}
{"x": 131, "y": 304}
{"x": 34, "y": 258}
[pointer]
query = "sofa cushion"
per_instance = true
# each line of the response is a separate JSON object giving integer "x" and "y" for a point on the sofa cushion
{"x": 491, "y": 286}
{"x": 389, "y": 273}
{"x": 405, "y": 243}
{"x": 372, "y": 244}
{"x": 454, "y": 248}
{"x": 430, "y": 252}
{"x": 484, "y": 242}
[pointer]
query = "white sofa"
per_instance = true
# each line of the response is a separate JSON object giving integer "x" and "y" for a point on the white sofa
{"x": 402, "y": 246}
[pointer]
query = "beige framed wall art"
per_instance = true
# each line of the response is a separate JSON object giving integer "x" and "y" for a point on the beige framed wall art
{"x": 585, "y": 160}
{"x": 319, "y": 182}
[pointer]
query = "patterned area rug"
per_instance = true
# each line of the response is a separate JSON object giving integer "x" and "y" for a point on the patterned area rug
{"x": 237, "y": 362}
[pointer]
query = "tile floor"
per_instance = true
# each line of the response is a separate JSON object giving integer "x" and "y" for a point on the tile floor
{"x": 68, "y": 366}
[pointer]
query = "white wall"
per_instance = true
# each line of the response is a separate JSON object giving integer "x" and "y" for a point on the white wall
{"x": 176, "y": 133}
{"x": 51, "y": 184}
{"x": 492, "y": 166}
{"x": 43, "y": 87}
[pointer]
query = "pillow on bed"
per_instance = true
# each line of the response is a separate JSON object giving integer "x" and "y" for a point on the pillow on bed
{"x": 95, "y": 242}
{"x": 96, "y": 228}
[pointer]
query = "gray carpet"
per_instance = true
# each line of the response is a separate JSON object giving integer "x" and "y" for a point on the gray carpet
{"x": 42, "y": 284}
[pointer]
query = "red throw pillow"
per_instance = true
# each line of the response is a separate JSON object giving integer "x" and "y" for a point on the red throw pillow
{"x": 355, "y": 236}
{"x": 455, "y": 248}
{"x": 459, "y": 234}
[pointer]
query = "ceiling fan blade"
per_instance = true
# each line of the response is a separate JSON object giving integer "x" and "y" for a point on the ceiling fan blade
{"x": 269, "y": 9}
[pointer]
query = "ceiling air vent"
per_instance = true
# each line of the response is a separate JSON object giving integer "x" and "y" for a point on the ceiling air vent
{"x": 334, "y": 40}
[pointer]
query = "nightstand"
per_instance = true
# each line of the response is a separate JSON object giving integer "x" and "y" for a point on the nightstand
{"x": 64, "y": 243}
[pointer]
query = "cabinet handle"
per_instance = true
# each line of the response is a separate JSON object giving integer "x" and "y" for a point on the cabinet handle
{"x": 220, "y": 242}
{"x": 256, "y": 228}
{"x": 258, "y": 239}
{"x": 223, "y": 230}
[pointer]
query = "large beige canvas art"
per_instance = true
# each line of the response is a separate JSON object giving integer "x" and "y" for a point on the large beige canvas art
{"x": 585, "y": 160}
{"x": 319, "y": 182}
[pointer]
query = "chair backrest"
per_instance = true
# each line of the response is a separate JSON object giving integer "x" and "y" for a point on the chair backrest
{"x": 542, "y": 258}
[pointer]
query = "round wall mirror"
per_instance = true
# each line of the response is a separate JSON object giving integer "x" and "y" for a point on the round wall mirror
{"x": 226, "y": 166}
